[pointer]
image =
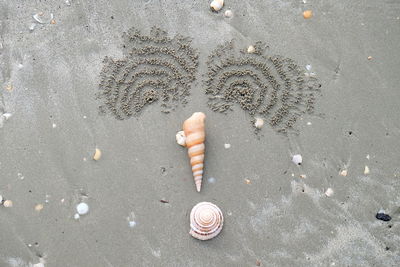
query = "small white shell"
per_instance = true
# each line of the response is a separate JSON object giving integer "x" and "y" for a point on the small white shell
{"x": 297, "y": 159}
{"x": 206, "y": 221}
{"x": 227, "y": 146}
{"x": 228, "y": 14}
{"x": 97, "y": 154}
{"x": 8, "y": 203}
{"x": 181, "y": 138}
{"x": 7, "y": 115}
{"x": 343, "y": 173}
{"x": 216, "y": 5}
{"x": 251, "y": 49}
{"x": 82, "y": 208}
{"x": 259, "y": 123}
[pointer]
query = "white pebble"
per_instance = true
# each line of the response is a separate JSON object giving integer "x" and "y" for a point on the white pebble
{"x": 181, "y": 138}
{"x": 132, "y": 224}
{"x": 228, "y": 14}
{"x": 82, "y": 208}
{"x": 343, "y": 173}
{"x": 251, "y": 49}
{"x": 8, "y": 203}
{"x": 309, "y": 123}
{"x": 259, "y": 123}
{"x": 366, "y": 170}
{"x": 227, "y": 146}
{"x": 329, "y": 192}
{"x": 54, "y": 125}
{"x": 297, "y": 159}
{"x": 76, "y": 216}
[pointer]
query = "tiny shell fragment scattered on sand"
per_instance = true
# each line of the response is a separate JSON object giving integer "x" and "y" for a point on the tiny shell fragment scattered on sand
{"x": 247, "y": 181}
{"x": 8, "y": 203}
{"x": 259, "y": 123}
{"x": 366, "y": 170}
{"x": 297, "y": 159}
{"x": 227, "y": 146}
{"x": 38, "y": 207}
{"x": 329, "y": 192}
{"x": 97, "y": 154}
{"x": 343, "y": 173}
{"x": 307, "y": 14}
{"x": 251, "y": 49}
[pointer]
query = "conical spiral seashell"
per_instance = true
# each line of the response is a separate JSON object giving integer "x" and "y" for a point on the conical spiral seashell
{"x": 206, "y": 221}
{"x": 195, "y": 136}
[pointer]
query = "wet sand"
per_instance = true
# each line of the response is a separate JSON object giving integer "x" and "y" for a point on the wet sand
{"x": 276, "y": 212}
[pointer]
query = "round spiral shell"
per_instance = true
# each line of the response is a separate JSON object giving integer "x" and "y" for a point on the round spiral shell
{"x": 206, "y": 221}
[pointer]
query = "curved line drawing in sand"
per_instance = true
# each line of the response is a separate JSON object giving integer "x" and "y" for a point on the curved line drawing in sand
{"x": 271, "y": 87}
{"x": 154, "y": 68}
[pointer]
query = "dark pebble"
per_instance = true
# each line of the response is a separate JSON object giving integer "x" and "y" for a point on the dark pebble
{"x": 383, "y": 217}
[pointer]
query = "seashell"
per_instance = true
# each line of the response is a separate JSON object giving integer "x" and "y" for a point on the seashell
{"x": 259, "y": 123}
{"x": 82, "y": 208}
{"x": 251, "y": 49}
{"x": 216, "y": 5}
{"x": 181, "y": 138}
{"x": 97, "y": 154}
{"x": 8, "y": 203}
{"x": 228, "y": 14}
{"x": 195, "y": 136}
{"x": 297, "y": 159}
{"x": 307, "y": 14}
{"x": 206, "y": 221}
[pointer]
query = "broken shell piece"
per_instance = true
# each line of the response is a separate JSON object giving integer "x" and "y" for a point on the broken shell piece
{"x": 206, "y": 221}
{"x": 8, "y": 203}
{"x": 343, "y": 173}
{"x": 181, "y": 138}
{"x": 228, "y": 14}
{"x": 366, "y": 170}
{"x": 76, "y": 216}
{"x": 216, "y": 5}
{"x": 247, "y": 181}
{"x": 42, "y": 19}
{"x": 227, "y": 146}
{"x": 259, "y": 123}
{"x": 97, "y": 154}
{"x": 329, "y": 192}
{"x": 251, "y": 49}
{"x": 1, "y": 199}
{"x": 297, "y": 159}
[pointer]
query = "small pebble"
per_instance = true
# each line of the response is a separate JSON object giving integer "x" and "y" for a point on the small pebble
{"x": 247, "y": 181}
{"x": 227, "y": 146}
{"x": 54, "y": 125}
{"x": 8, "y": 203}
{"x": 259, "y": 123}
{"x": 329, "y": 192}
{"x": 366, "y": 170}
{"x": 82, "y": 208}
{"x": 76, "y": 216}
{"x": 303, "y": 176}
{"x": 382, "y": 216}
{"x": 297, "y": 159}
{"x": 251, "y": 49}
{"x": 309, "y": 123}
{"x": 307, "y": 14}
{"x": 343, "y": 173}
{"x": 369, "y": 57}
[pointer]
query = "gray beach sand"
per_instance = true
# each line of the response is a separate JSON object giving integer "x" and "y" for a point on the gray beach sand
{"x": 279, "y": 216}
